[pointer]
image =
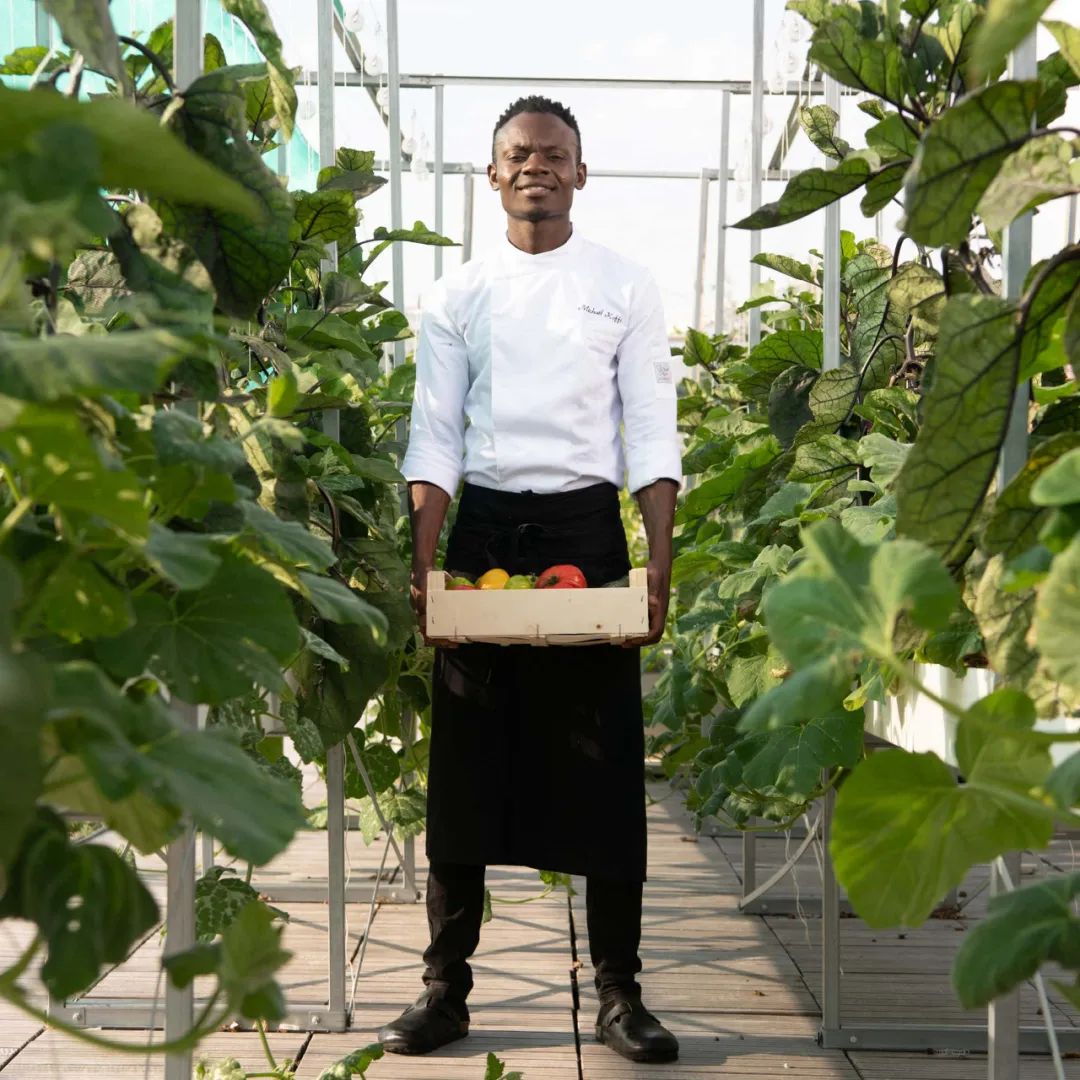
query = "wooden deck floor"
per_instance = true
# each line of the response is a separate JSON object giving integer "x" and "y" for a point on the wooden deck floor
{"x": 741, "y": 992}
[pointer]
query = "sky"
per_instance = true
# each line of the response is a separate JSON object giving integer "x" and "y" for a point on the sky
{"x": 654, "y": 222}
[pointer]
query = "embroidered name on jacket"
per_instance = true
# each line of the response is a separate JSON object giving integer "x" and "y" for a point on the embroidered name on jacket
{"x": 611, "y": 316}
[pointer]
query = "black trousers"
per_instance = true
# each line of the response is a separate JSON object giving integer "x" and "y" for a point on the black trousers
{"x": 455, "y": 907}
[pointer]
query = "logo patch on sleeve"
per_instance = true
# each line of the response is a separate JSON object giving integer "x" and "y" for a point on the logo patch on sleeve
{"x": 662, "y": 368}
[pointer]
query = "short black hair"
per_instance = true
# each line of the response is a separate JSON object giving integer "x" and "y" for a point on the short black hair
{"x": 535, "y": 103}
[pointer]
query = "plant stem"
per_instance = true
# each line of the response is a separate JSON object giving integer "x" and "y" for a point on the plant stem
{"x": 15, "y": 515}
{"x": 261, "y": 1028}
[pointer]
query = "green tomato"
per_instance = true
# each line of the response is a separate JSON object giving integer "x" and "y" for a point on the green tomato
{"x": 520, "y": 581}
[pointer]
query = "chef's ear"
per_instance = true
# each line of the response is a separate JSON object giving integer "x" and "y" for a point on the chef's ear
{"x": 492, "y": 172}
{"x": 582, "y": 175}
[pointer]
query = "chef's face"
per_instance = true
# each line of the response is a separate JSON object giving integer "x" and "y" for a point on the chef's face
{"x": 536, "y": 169}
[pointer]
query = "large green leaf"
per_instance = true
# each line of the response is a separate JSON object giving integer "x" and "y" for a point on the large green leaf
{"x": 945, "y": 478}
{"x": 60, "y": 365}
{"x": 255, "y": 16}
{"x": 187, "y": 560}
{"x": 245, "y": 259}
{"x": 24, "y": 686}
{"x": 844, "y": 49}
{"x": 210, "y": 644}
{"x": 1059, "y": 485}
{"x": 340, "y": 604}
{"x": 288, "y": 540}
{"x": 383, "y": 768}
{"x": 1007, "y": 23}
{"x": 1057, "y": 616}
{"x": 1020, "y": 932}
{"x": 785, "y": 264}
{"x": 87, "y": 27}
{"x": 79, "y": 602}
{"x": 960, "y": 155}
{"x": 794, "y": 755}
{"x": 812, "y": 189}
{"x": 87, "y": 902}
{"x": 355, "y": 1064}
{"x": 905, "y": 833}
{"x": 1068, "y": 39}
{"x": 1017, "y": 518}
{"x": 820, "y": 122}
{"x": 324, "y": 217}
{"x": 1043, "y": 168}
{"x": 773, "y": 354}
{"x": 136, "y": 152}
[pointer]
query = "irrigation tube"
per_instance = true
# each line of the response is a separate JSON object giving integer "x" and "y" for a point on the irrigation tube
{"x": 788, "y": 866}
{"x": 1040, "y": 986}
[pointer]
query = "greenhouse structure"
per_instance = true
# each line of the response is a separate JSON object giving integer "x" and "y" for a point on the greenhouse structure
{"x": 862, "y": 718}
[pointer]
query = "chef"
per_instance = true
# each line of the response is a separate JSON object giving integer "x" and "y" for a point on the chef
{"x": 544, "y": 381}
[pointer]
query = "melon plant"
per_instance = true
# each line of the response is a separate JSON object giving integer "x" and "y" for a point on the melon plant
{"x": 180, "y": 519}
{"x": 847, "y": 524}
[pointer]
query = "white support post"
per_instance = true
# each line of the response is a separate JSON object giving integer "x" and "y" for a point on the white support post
{"x": 830, "y": 919}
{"x": 831, "y": 270}
{"x": 702, "y": 242}
{"x": 180, "y": 927}
{"x": 721, "y": 212}
{"x": 467, "y": 224}
{"x": 439, "y": 125}
{"x": 1070, "y": 223}
{"x": 188, "y": 43}
{"x": 1003, "y": 1019}
{"x": 757, "y": 138}
{"x": 327, "y": 145}
{"x": 394, "y": 86}
{"x": 206, "y": 840}
{"x": 42, "y": 26}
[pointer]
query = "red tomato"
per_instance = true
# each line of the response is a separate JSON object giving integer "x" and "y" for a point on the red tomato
{"x": 561, "y": 577}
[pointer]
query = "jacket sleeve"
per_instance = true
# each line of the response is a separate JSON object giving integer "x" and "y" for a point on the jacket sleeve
{"x": 437, "y": 428}
{"x": 647, "y": 389}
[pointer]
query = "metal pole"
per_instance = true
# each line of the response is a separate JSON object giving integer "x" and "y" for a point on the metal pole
{"x": 327, "y": 146}
{"x": 467, "y": 224}
{"x": 180, "y": 924}
{"x": 1070, "y": 225}
{"x": 335, "y": 834}
{"x": 42, "y": 26}
{"x": 702, "y": 239}
{"x": 394, "y": 86}
{"x": 207, "y": 841}
{"x": 749, "y": 863}
{"x": 1003, "y": 1020}
{"x": 830, "y": 922}
{"x": 757, "y": 130}
{"x": 188, "y": 37}
{"x": 831, "y": 270}
{"x": 439, "y": 114}
{"x": 721, "y": 212}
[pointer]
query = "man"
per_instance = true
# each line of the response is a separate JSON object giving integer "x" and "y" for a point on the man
{"x": 528, "y": 364}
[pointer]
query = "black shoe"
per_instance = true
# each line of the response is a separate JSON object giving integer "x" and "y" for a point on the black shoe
{"x": 425, "y": 1026}
{"x": 627, "y": 1028}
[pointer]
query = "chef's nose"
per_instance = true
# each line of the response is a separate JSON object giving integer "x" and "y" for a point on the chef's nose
{"x": 536, "y": 163}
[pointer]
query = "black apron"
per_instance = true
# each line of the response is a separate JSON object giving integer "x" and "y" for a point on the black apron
{"x": 537, "y": 753}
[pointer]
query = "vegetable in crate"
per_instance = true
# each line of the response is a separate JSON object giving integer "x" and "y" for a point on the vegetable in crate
{"x": 493, "y": 579}
{"x": 561, "y": 577}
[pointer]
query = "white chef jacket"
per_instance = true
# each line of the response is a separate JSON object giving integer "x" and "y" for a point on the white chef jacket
{"x": 527, "y": 366}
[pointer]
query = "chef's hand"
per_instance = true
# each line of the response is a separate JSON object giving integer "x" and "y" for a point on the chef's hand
{"x": 418, "y": 578}
{"x": 659, "y": 585}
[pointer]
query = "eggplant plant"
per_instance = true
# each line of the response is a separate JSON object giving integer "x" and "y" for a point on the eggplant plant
{"x": 848, "y": 524}
{"x": 179, "y": 522}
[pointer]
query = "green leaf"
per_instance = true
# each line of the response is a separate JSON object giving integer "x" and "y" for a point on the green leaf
{"x": 884, "y": 457}
{"x": 1057, "y": 616}
{"x": 893, "y": 139}
{"x": 383, "y": 768}
{"x": 1007, "y": 23}
{"x": 960, "y": 155}
{"x": 828, "y": 459}
{"x": 789, "y": 402}
{"x": 356, "y": 1064}
{"x": 1063, "y": 784}
{"x": 1068, "y": 38}
{"x": 218, "y": 900}
{"x": 418, "y": 234}
{"x": 62, "y": 366}
{"x": 210, "y": 644}
{"x": 341, "y": 604}
{"x": 812, "y": 189}
{"x": 944, "y": 480}
{"x": 1005, "y": 621}
{"x": 794, "y": 756}
{"x": 344, "y": 293}
{"x": 784, "y": 264}
{"x": 905, "y": 833}
{"x": 995, "y": 742}
{"x": 24, "y": 688}
{"x": 919, "y": 291}
{"x": 79, "y": 602}
{"x": 882, "y": 188}
{"x": 819, "y": 122}
{"x": 698, "y": 348}
{"x": 87, "y": 902}
{"x": 372, "y": 468}
{"x": 1044, "y": 317}
{"x": 183, "y": 439}
{"x": 1020, "y": 932}
{"x": 359, "y": 183}
{"x": 1043, "y": 168}
{"x": 868, "y": 63}
{"x": 1017, "y": 517}
{"x": 282, "y": 394}
{"x": 28, "y": 58}
{"x": 135, "y": 150}
{"x": 251, "y": 953}
{"x": 324, "y": 217}
{"x": 87, "y": 27}
{"x": 187, "y": 560}
{"x": 1059, "y": 485}
{"x": 245, "y": 259}
{"x": 288, "y": 540}
{"x": 404, "y": 811}
{"x": 254, "y": 15}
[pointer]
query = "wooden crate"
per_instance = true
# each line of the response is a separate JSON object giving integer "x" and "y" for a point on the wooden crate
{"x": 538, "y": 616}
